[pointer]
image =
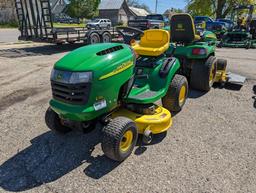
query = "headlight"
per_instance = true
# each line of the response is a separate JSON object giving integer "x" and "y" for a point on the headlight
{"x": 71, "y": 77}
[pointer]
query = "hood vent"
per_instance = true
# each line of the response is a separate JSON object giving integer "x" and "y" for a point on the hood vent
{"x": 110, "y": 50}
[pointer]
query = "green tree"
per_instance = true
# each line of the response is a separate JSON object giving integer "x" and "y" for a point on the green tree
{"x": 218, "y": 8}
{"x": 83, "y": 8}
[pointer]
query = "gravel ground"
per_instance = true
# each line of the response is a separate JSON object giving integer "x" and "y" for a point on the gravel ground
{"x": 9, "y": 35}
{"x": 211, "y": 146}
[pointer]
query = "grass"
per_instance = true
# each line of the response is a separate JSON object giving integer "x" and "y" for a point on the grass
{"x": 68, "y": 25}
{"x": 9, "y": 25}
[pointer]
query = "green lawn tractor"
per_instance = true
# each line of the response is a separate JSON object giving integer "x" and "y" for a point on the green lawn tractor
{"x": 196, "y": 53}
{"x": 240, "y": 36}
{"x": 106, "y": 84}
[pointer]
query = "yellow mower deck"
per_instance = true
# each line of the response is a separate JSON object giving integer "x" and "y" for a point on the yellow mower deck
{"x": 159, "y": 122}
{"x": 221, "y": 76}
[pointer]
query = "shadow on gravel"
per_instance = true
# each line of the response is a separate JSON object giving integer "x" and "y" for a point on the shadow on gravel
{"x": 49, "y": 157}
{"x": 194, "y": 94}
{"x": 141, "y": 147}
{"x": 39, "y": 50}
{"x": 254, "y": 97}
{"x": 228, "y": 86}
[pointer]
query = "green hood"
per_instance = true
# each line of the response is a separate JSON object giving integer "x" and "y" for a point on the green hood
{"x": 86, "y": 58}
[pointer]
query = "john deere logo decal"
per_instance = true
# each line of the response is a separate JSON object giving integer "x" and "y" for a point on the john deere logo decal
{"x": 59, "y": 77}
{"x": 180, "y": 27}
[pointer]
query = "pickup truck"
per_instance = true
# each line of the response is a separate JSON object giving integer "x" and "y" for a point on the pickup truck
{"x": 153, "y": 21}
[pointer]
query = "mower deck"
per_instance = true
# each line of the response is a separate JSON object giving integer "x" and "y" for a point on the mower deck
{"x": 158, "y": 122}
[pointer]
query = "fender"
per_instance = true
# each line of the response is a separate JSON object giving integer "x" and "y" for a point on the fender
{"x": 169, "y": 68}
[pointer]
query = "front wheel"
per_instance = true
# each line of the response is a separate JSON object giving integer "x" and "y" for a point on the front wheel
{"x": 53, "y": 122}
{"x": 119, "y": 138}
{"x": 176, "y": 95}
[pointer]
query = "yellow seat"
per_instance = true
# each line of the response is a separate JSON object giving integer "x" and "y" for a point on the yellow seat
{"x": 154, "y": 42}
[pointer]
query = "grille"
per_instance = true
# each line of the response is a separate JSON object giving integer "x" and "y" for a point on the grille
{"x": 77, "y": 94}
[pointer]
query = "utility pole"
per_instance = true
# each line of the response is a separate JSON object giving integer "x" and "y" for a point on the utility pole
{"x": 156, "y": 6}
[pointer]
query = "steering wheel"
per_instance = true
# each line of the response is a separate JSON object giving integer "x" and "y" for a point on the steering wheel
{"x": 129, "y": 33}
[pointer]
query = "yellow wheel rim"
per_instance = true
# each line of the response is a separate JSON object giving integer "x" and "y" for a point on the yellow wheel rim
{"x": 212, "y": 73}
{"x": 126, "y": 141}
{"x": 182, "y": 95}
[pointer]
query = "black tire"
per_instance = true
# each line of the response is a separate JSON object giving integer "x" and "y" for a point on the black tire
{"x": 171, "y": 101}
{"x": 53, "y": 122}
{"x": 222, "y": 64}
{"x": 200, "y": 74}
{"x": 106, "y": 37}
{"x": 94, "y": 38}
{"x": 248, "y": 45}
{"x": 219, "y": 45}
{"x": 113, "y": 134}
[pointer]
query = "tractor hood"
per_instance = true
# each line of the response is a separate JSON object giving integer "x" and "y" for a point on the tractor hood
{"x": 94, "y": 57}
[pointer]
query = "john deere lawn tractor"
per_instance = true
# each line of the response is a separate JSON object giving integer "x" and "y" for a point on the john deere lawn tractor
{"x": 196, "y": 53}
{"x": 106, "y": 84}
{"x": 240, "y": 36}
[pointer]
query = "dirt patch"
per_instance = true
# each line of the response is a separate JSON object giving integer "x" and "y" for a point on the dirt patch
{"x": 20, "y": 77}
{"x": 18, "y": 96}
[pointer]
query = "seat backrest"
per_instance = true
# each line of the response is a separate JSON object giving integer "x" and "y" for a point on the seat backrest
{"x": 155, "y": 38}
{"x": 182, "y": 28}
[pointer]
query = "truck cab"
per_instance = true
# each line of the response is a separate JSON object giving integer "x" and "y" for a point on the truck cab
{"x": 152, "y": 21}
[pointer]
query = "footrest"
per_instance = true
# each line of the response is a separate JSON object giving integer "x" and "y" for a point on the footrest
{"x": 144, "y": 95}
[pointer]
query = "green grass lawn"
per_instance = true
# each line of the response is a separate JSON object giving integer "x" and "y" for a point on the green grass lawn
{"x": 9, "y": 25}
{"x": 68, "y": 25}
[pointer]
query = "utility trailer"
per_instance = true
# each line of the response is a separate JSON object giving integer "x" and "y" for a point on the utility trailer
{"x": 36, "y": 24}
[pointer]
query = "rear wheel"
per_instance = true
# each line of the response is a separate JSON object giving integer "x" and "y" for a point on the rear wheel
{"x": 94, "y": 38}
{"x": 53, "y": 122}
{"x": 176, "y": 95}
{"x": 119, "y": 138}
{"x": 203, "y": 74}
{"x": 106, "y": 37}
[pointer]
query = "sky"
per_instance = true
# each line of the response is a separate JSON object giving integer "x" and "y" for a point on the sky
{"x": 164, "y": 4}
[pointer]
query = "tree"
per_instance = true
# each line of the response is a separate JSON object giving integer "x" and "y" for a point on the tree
{"x": 218, "y": 8}
{"x": 83, "y": 8}
{"x": 137, "y": 4}
{"x": 176, "y": 10}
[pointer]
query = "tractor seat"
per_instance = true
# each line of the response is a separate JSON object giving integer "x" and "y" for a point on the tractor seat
{"x": 183, "y": 29}
{"x": 154, "y": 42}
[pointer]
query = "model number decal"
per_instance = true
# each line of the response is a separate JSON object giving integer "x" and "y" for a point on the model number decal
{"x": 119, "y": 69}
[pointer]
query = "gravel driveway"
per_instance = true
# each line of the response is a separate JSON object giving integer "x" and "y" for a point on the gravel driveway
{"x": 9, "y": 35}
{"x": 211, "y": 146}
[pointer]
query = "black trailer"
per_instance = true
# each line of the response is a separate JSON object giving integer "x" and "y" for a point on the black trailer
{"x": 36, "y": 24}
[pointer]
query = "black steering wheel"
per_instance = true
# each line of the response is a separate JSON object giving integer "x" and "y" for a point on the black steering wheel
{"x": 129, "y": 33}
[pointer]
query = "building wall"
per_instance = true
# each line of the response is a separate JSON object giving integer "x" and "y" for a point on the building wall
{"x": 7, "y": 11}
{"x": 122, "y": 17}
{"x": 110, "y": 14}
